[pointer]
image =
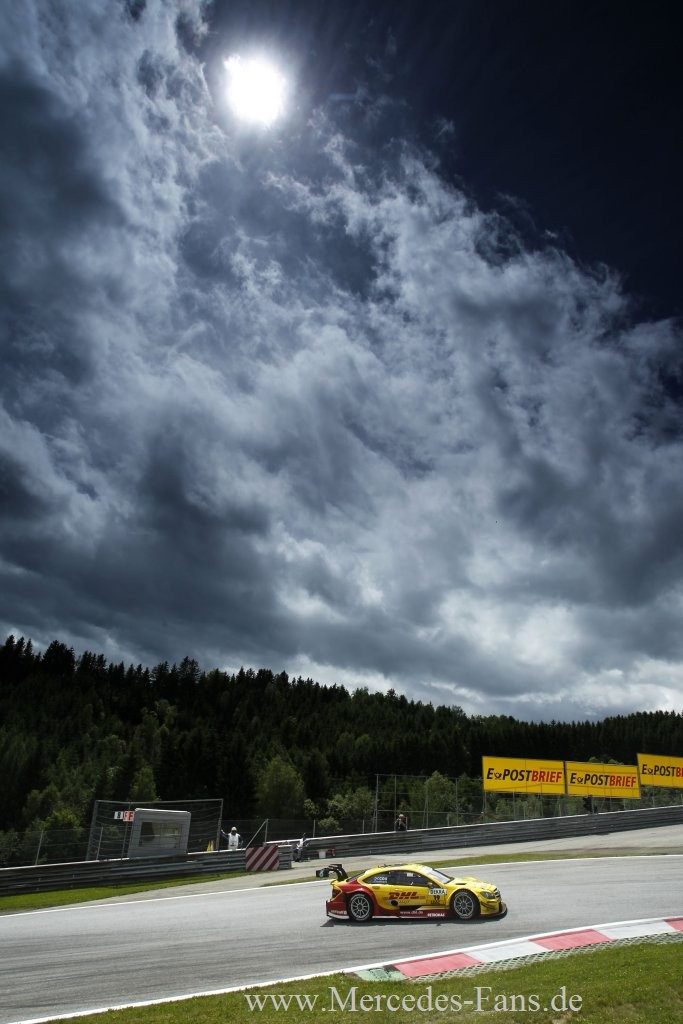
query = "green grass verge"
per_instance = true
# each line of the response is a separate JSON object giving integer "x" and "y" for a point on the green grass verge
{"x": 637, "y": 983}
{"x": 512, "y": 858}
{"x": 45, "y": 900}
{"x": 494, "y": 858}
{"x": 64, "y": 897}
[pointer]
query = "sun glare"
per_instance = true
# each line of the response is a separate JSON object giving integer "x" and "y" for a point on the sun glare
{"x": 256, "y": 89}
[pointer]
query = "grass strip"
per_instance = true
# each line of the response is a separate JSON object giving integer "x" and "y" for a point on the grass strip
{"x": 45, "y": 900}
{"x": 65, "y": 897}
{"x": 638, "y": 983}
{"x": 494, "y": 858}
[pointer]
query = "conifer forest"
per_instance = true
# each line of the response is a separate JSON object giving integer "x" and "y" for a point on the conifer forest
{"x": 77, "y": 728}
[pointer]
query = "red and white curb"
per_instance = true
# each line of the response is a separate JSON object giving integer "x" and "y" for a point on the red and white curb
{"x": 512, "y": 949}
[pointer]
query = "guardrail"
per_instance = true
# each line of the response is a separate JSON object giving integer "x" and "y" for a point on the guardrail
{"x": 489, "y": 833}
{"x": 89, "y": 873}
{"x": 45, "y": 877}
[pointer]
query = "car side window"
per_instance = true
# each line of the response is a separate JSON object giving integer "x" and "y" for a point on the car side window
{"x": 411, "y": 878}
{"x": 381, "y": 878}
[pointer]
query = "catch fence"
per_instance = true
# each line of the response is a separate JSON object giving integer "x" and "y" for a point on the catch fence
{"x": 112, "y": 822}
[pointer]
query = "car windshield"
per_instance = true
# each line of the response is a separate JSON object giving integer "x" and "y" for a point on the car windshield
{"x": 439, "y": 876}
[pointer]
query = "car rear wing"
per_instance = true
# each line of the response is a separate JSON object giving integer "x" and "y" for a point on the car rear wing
{"x": 332, "y": 869}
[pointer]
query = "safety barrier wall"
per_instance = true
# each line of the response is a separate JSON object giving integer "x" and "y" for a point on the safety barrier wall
{"x": 90, "y": 873}
{"x": 83, "y": 874}
{"x": 487, "y": 834}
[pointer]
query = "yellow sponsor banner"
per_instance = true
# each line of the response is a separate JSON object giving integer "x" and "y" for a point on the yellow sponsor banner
{"x": 610, "y": 780}
{"x": 521, "y": 775}
{"x": 660, "y": 770}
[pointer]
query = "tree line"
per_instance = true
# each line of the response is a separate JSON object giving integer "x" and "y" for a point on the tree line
{"x": 74, "y": 729}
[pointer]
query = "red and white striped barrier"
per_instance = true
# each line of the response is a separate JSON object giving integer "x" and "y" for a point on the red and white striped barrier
{"x": 263, "y": 858}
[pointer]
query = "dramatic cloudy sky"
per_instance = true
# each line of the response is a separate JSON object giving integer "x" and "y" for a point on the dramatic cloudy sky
{"x": 386, "y": 393}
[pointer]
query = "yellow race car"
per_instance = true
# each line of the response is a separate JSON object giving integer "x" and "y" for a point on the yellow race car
{"x": 409, "y": 890}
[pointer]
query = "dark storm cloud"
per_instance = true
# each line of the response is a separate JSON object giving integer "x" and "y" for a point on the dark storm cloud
{"x": 50, "y": 194}
{"x": 290, "y": 398}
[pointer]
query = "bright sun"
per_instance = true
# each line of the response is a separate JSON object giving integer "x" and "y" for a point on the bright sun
{"x": 256, "y": 89}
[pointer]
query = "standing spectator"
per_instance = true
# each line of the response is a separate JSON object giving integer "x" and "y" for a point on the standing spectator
{"x": 233, "y": 837}
{"x": 401, "y": 825}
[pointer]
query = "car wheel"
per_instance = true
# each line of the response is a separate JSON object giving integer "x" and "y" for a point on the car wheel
{"x": 359, "y": 907}
{"x": 464, "y": 905}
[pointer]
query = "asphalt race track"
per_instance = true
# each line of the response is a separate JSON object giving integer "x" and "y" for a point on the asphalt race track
{"x": 180, "y": 943}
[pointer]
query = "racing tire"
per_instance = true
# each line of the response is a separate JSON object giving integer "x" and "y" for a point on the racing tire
{"x": 359, "y": 907}
{"x": 464, "y": 905}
